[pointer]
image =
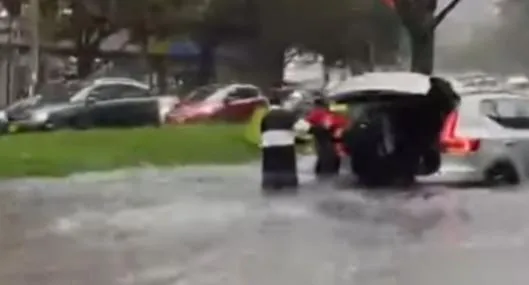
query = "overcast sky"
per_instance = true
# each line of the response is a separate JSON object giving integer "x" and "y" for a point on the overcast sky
{"x": 468, "y": 15}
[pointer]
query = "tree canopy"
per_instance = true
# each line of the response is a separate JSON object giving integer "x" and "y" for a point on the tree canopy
{"x": 500, "y": 46}
{"x": 512, "y": 35}
{"x": 338, "y": 29}
{"x": 420, "y": 18}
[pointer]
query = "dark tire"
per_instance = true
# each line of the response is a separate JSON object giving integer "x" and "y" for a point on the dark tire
{"x": 430, "y": 162}
{"x": 81, "y": 123}
{"x": 327, "y": 164}
{"x": 54, "y": 125}
{"x": 369, "y": 177}
{"x": 370, "y": 181}
{"x": 501, "y": 174}
{"x": 404, "y": 180}
{"x": 4, "y": 129}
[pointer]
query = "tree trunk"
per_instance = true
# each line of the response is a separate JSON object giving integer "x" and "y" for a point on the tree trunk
{"x": 85, "y": 60}
{"x": 206, "y": 64}
{"x": 259, "y": 66}
{"x": 160, "y": 67}
{"x": 422, "y": 51}
{"x": 85, "y": 54}
{"x": 326, "y": 72}
{"x": 144, "y": 45}
{"x": 273, "y": 65}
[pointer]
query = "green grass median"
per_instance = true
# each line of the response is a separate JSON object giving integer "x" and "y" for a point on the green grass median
{"x": 65, "y": 152}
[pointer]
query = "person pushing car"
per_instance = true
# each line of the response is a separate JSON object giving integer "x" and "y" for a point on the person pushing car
{"x": 327, "y": 128}
{"x": 278, "y": 146}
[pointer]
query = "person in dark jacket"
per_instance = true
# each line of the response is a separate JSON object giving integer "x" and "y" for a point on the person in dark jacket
{"x": 370, "y": 148}
{"x": 279, "y": 169}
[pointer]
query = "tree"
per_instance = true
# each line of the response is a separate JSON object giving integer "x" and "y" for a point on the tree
{"x": 88, "y": 27}
{"x": 159, "y": 20}
{"x": 512, "y": 38}
{"x": 420, "y": 21}
{"x": 337, "y": 29}
{"x": 92, "y": 21}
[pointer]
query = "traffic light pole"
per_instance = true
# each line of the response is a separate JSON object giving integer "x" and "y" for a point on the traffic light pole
{"x": 35, "y": 46}
{"x": 9, "y": 63}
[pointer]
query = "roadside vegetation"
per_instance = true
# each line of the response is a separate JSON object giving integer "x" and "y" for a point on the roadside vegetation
{"x": 65, "y": 152}
{"x": 361, "y": 34}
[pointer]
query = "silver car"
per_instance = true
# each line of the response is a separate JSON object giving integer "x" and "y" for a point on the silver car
{"x": 486, "y": 140}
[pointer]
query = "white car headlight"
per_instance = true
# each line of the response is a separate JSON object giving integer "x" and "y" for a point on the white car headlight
{"x": 40, "y": 116}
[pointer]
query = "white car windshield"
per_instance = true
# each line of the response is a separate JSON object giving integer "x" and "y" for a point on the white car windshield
{"x": 217, "y": 96}
{"x": 396, "y": 82}
{"x": 48, "y": 94}
{"x": 206, "y": 94}
{"x": 78, "y": 96}
{"x": 520, "y": 86}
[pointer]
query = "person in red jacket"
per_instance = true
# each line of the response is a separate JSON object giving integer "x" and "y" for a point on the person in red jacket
{"x": 339, "y": 125}
{"x": 326, "y": 127}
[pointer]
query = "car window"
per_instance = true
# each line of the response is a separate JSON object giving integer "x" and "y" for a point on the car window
{"x": 489, "y": 108}
{"x": 129, "y": 91}
{"x": 107, "y": 92}
{"x": 117, "y": 91}
{"x": 510, "y": 113}
{"x": 358, "y": 110}
{"x": 203, "y": 93}
{"x": 243, "y": 93}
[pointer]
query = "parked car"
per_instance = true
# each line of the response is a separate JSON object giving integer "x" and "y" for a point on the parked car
{"x": 105, "y": 102}
{"x": 396, "y": 120}
{"x": 518, "y": 83}
{"x": 486, "y": 140}
{"x": 477, "y": 82}
{"x": 232, "y": 102}
{"x": 4, "y": 124}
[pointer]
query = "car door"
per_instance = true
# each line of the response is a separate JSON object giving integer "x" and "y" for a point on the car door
{"x": 241, "y": 103}
{"x": 122, "y": 105}
{"x": 100, "y": 105}
{"x": 134, "y": 106}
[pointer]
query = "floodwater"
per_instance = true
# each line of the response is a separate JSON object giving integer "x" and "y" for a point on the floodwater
{"x": 211, "y": 226}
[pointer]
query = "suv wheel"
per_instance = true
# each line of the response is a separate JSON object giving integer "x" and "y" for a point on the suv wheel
{"x": 502, "y": 173}
{"x": 430, "y": 162}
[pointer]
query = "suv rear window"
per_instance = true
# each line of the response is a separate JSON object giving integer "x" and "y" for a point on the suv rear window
{"x": 509, "y": 112}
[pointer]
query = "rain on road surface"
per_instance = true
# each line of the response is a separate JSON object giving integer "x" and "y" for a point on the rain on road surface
{"x": 210, "y": 226}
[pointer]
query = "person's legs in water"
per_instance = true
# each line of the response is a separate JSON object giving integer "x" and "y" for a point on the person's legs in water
{"x": 269, "y": 183}
{"x": 281, "y": 175}
{"x": 328, "y": 162}
{"x": 405, "y": 164}
{"x": 365, "y": 142}
{"x": 324, "y": 152}
{"x": 289, "y": 177}
{"x": 269, "y": 171}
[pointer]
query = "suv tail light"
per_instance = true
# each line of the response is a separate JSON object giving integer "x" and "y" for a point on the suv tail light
{"x": 450, "y": 143}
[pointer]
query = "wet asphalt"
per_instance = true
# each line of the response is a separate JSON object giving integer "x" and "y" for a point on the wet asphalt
{"x": 210, "y": 225}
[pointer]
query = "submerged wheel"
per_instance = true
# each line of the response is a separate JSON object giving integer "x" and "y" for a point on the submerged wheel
{"x": 370, "y": 176}
{"x": 500, "y": 174}
{"x": 430, "y": 162}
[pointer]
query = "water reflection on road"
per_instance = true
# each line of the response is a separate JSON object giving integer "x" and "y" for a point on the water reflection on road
{"x": 211, "y": 226}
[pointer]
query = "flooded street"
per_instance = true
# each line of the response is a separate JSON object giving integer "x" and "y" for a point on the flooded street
{"x": 211, "y": 226}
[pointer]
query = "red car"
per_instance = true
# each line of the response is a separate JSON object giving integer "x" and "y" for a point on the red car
{"x": 233, "y": 102}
